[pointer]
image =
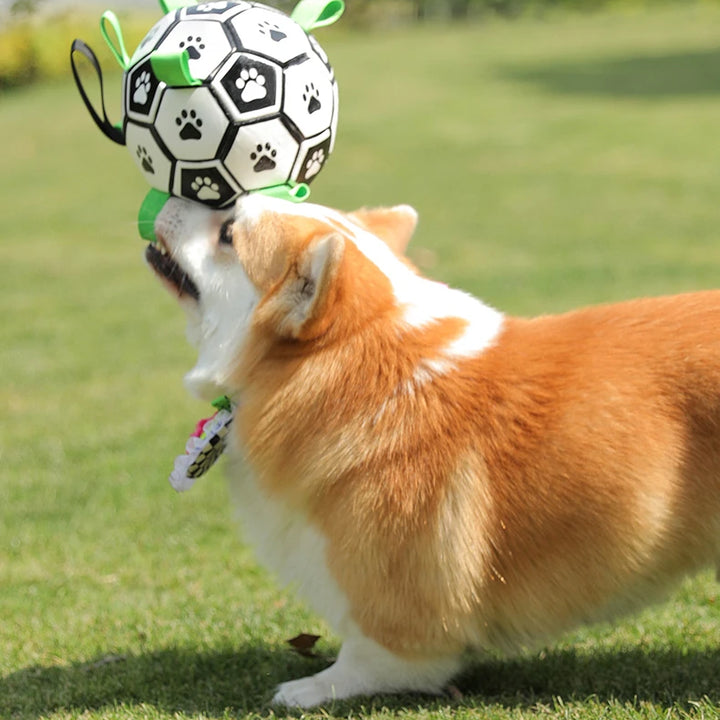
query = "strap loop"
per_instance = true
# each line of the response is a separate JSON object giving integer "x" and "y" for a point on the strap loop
{"x": 173, "y": 69}
{"x": 114, "y": 132}
{"x": 311, "y": 14}
{"x": 110, "y": 18}
{"x": 149, "y": 209}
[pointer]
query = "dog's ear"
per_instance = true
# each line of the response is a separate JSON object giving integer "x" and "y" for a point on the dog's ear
{"x": 297, "y": 309}
{"x": 394, "y": 225}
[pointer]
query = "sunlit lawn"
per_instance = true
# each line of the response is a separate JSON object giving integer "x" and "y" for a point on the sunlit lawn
{"x": 553, "y": 162}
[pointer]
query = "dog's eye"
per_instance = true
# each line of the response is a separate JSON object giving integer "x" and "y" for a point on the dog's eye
{"x": 226, "y": 234}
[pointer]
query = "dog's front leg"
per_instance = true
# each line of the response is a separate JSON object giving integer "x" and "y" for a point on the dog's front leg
{"x": 365, "y": 668}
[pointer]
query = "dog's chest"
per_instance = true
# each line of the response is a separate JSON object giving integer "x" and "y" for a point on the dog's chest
{"x": 285, "y": 542}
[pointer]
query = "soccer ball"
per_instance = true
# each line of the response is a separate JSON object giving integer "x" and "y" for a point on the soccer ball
{"x": 259, "y": 109}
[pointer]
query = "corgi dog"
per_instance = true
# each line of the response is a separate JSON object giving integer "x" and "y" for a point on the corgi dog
{"x": 433, "y": 475}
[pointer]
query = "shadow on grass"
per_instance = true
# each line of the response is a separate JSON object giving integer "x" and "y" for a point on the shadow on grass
{"x": 682, "y": 74}
{"x": 237, "y": 682}
{"x": 174, "y": 680}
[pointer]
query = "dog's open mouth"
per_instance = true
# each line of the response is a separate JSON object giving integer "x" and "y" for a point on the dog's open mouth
{"x": 168, "y": 269}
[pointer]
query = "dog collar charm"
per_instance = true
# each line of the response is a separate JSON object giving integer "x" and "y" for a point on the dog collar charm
{"x": 204, "y": 447}
{"x": 223, "y": 98}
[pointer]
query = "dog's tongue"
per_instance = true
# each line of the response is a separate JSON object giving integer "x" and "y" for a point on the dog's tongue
{"x": 204, "y": 447}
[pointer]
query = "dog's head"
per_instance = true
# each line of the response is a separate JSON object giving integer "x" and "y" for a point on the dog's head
{"x": 296, "y": 274}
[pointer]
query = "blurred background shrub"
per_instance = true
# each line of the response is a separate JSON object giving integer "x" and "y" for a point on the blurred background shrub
{"x": 35, "y": 35}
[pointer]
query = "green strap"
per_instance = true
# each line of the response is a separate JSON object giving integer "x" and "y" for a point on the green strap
{"x": 173, "y": 69}
{"x": 149, "y": 210}
{"x": 294, "y": 193}
{"x": 222, "y": 403}
{"x": 172, "y": 5}
{"x": 311, "y": 14}
{"x": 155, "y": 201}
{"x": 110, "y": 18}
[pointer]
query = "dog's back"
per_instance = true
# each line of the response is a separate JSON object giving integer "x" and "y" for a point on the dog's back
{"x": 566, "y": 472}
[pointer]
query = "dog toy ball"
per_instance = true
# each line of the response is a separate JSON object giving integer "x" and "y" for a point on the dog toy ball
{"x": 224, "y": 98}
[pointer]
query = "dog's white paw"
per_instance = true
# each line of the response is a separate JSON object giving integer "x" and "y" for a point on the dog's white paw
{"x": 365, "y": 668}
{"x": 304, "y": 693}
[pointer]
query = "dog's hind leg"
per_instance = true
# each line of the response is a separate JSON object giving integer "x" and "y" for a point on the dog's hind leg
{"x": 365, "y": 668}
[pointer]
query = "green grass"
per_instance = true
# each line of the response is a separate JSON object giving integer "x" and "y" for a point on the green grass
{"x": 554, "y": 163}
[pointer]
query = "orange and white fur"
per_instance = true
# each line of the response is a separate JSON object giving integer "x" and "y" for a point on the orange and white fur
{"x": 432, "y": 474}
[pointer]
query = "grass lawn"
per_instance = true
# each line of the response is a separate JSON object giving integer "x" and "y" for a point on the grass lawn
{"x": 554, "y": 163}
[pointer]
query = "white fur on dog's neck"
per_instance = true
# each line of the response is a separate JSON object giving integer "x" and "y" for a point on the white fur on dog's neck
{"x": 217, "y": 323}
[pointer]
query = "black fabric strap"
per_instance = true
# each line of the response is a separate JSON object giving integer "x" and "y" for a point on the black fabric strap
{"x": 110, "y": 130}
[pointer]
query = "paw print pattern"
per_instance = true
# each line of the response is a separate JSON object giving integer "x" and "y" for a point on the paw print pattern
{"x": 211, "y": 7}
{"x": 251, "y": 84}
{"x": 314, "y": 163}
{"x": 312, "y": 97}
{"x": 142, "y": 88}
{"x": 264, "y": 158}
{"x": 267, "y": 28}
{"x": 194, "y": 46}
{"x": 145, "y": 159}
{"x": 205, "y": 189}
{"x": 189, "y": 124}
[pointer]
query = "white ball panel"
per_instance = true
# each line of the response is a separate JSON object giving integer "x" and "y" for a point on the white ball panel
{"x": 148, "y": 156}
{"x": 270, "y": 33}
{"x": 318, "y": 49}
{"x": 206, "y": 43}
{"x": 262, "y": 155}
{"x": 309, "y": 98}
{"x": 191, "y": 123}
{"x": 214, "y": 10}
